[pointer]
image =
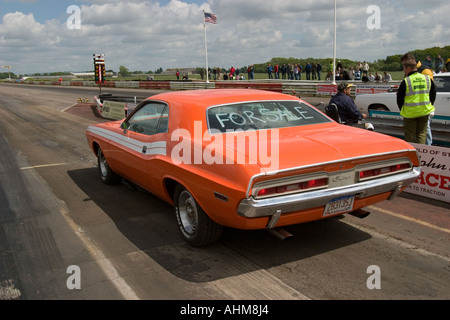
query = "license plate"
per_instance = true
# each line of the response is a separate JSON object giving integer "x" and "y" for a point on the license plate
{"x": 339, "y": 205}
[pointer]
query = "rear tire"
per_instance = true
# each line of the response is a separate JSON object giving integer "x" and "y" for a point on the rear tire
{"x": 195, "y": 226}
{"x": 108, "y": 176}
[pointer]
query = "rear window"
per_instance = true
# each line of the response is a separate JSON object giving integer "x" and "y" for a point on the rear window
{"x": 263, "y": 115}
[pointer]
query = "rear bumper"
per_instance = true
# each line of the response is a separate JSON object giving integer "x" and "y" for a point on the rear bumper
{"x": 253, "y": 208}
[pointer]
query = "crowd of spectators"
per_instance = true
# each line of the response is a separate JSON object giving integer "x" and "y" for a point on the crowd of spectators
{"x": 293, "y": 71}
{"x": 358, "y": 73}
{"x": 314, "y": 71}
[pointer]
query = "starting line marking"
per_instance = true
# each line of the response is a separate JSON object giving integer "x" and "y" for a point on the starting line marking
{"x": 44, "y": 166}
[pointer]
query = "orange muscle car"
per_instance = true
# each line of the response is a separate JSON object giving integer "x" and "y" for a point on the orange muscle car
{"x": 249, "y": 159}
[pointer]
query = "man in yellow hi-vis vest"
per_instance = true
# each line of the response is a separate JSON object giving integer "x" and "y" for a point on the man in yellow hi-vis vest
{"x": 415, "y": 99}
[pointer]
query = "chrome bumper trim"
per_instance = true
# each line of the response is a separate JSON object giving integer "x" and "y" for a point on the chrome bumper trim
{"x": 253, "y": 208}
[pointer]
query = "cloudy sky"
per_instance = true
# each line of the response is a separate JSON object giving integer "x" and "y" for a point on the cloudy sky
{"x": 62, "y": 35}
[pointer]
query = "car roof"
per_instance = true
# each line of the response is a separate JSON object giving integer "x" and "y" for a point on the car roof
{"x": 210, "y": 97}
{"x": 442, "y": 74}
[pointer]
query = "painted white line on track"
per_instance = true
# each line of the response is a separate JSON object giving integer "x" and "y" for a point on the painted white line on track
{"x": 104, "y": 263}
{"x": 97, "y": 255}
{"x": 64, "y": 110}
{"x": 429, "y": 225}
{"x": 397, "y": 242}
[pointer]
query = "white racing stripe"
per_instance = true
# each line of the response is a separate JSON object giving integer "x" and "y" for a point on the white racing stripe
{"x": 153, "y": 148}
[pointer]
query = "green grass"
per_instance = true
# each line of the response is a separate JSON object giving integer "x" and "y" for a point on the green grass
{"x": 396, "y": 75}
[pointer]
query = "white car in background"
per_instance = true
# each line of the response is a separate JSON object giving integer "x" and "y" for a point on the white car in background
{"x": 387, "y": 101}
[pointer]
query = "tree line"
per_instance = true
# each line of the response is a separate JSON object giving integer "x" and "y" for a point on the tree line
{"x": 390, "y": 63}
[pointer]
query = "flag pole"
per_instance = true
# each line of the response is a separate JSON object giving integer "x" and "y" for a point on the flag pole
{"x": 206, "y": 49}
{"x": 334, "y": 46}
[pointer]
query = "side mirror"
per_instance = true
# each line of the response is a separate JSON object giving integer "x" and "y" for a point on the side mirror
{"x": 125, "y": 126}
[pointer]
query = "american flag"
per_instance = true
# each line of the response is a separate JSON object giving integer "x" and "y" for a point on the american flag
{"x": 210, "y": 17}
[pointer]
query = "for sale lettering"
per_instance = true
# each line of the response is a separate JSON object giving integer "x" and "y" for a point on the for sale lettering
{"x": 264, "y": 115}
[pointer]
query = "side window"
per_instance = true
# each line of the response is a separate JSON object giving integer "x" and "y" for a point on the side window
{"x": 163, "y": 125}
{"x": 147, "y": 118}
{"x": 442, "y": 84}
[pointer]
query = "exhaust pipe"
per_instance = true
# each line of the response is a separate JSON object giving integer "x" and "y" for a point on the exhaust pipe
{"x": 360, "y": 213}
{"x": 277, "y": 232}
{"x": 280, "y": 233}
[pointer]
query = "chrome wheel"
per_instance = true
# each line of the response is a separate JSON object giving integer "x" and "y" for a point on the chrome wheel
{"x": 188, "y": 212}
{"x": 102, "y": 164}
{"x": 108, "y": 176}
{"x": 195, "y": 226}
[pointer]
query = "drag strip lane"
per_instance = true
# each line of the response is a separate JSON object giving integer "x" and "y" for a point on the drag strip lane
{"x": 133, "y": 240}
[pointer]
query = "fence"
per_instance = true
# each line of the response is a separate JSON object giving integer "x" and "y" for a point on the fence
{"x": 299, "y": 88}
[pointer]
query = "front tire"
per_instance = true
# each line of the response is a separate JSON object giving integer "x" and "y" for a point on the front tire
{"x": 196, "y": 227}
{"x": 108, "y": 176}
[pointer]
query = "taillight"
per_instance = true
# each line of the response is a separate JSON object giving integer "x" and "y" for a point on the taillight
{"x": 370, "y": 173}
{"x": 293, "y": 187}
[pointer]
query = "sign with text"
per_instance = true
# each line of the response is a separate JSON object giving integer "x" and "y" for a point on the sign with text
{"x": 326, "y": 89}
{"x": 113, "y": 110}
{"x": 434, "y": 181}
{"x": 372, "y": 89}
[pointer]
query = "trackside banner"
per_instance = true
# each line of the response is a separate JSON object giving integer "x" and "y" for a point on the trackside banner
{"x": 434, "y": 182}
{"x": 371, "y": 89}
{"x": 113, "y": 110}
{"x": 326, "y": 89}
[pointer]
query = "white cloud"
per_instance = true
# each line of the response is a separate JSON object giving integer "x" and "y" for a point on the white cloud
{"x": 146, "y": 35}
{"x": 13, "y": 29}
